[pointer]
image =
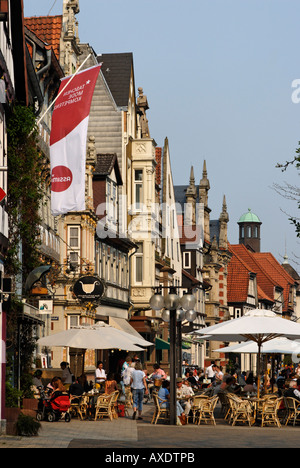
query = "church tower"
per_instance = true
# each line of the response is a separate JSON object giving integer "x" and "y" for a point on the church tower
{"x": 249, "y": 230}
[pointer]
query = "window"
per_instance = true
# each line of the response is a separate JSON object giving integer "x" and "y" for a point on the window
{"x": 237, "y": 313}
{"x": 187, "y": 260}
{"x": 111, "y": 194}
{"x": 139, "y": 263}
{"x": 74, "y": 245}
{"x": 73, "y": 321}
{"x": 138, "y": 188}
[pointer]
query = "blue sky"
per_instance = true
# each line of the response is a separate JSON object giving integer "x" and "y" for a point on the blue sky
{"x": 218, "y": 77}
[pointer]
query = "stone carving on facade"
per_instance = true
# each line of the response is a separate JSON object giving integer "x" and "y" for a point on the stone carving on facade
{"x": 142, "y": 107}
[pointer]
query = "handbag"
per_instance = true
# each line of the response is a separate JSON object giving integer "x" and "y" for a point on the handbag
{"x": 183, "y": 419}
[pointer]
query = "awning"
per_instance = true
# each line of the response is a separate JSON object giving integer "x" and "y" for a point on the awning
{"x": 122, "y": 324}
{"x": 162, "y": 344}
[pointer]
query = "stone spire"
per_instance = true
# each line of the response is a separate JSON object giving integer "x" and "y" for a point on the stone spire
{"x": 204, "y": 187}
{"x": 224, "y": 219}
{"x": 191, "y": 198}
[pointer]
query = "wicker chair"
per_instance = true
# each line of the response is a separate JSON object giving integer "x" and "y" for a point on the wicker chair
{"x": 293, "y": 409}
{"x": 81, "y": 408}
{"x": 104, "y": 406}
{"x": 240, "y": 410}
{"x": 269, "y": 413}
{"x": 159, "y": 412}
{"x": 225, "y": 406}
{"x": 196, "y": 402}
{"x": 206, "y": 409}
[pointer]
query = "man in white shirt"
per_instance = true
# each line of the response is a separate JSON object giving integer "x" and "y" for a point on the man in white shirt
{"x": 210, "y": 372}
{"x": 184, "y": 393}
{"x": 100, "y": 375}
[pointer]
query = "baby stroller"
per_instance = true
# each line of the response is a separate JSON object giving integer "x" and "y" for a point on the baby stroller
{"x": 54, "y": 408}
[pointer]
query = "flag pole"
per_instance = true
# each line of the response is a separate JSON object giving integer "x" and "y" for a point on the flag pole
{"x": 53, "y": 102}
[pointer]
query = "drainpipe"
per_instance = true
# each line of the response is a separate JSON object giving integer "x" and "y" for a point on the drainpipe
{"x": 47, "y": 66}
{"x": 129, "y": 279}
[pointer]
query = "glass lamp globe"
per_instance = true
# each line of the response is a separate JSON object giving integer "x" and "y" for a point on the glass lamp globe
{"x": 188, "y": 301}
{"x": 171, "y": 301}
{"x": 165, "y": 315}
{"x": 180, "y": 314}
{"x": 157, "y": 302}
{"x": 190, "y": 315}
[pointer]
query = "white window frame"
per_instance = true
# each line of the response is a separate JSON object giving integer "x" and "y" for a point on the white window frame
{"x": 138, "y": 189}
{"x": 139, "y": 259}
{"x": 187, "y": 260}
{"x": 74, "y": 250}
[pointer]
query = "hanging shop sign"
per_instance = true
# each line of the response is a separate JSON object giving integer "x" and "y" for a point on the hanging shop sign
{"x": 89, "y": 288}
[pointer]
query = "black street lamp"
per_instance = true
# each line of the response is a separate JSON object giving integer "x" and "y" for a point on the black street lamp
{"x": 175, "y": 309}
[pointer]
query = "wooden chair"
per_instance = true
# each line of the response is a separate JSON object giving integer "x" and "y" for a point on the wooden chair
{"x": 114, "y": 404}
{"x": 225, "y": 406}
{"x": 104, "y": 406}
{"x": 293, "y": 409}
{"x": 269, "y": 412}
{"x": 80, "y": 408}
{"x": 240, "y": 410}
{"x": 262, "y": 401}
{"x": 159, "y": 412}
{"x": 206, "y": 409}
{"x": 128, "y": 400}
{"x": 196, "y": 401}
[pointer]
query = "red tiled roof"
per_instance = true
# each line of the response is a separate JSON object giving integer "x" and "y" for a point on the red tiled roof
{"x": 264, "y": 280}
{"x": 237, "y": 279}
{"x": 269, "y": 274}
{"x": 277, "y": 272}
{"x": 47, "y": 28}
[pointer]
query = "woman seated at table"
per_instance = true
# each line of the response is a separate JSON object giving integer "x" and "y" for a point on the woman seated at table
{"x": 164, "y": 394}
{"x": 110, "y": 384}
{"x": 75, "y": 391}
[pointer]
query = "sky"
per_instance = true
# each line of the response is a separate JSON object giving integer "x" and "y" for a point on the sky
{"x": 222, "y": 80}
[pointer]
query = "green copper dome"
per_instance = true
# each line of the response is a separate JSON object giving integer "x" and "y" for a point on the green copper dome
{"x": 249, "y": 217}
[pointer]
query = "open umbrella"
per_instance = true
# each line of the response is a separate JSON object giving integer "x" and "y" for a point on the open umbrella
{"x": 36, "y": 275}
{"x": 97, "y": 336}
{"x": 257, "y": 325}
{"x": 275, "y": 346}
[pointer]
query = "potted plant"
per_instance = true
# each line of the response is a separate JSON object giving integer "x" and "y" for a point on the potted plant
{"x": 27, "y": 426}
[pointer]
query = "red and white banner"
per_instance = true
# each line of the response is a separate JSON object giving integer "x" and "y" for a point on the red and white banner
{"x": 68, "y": 141}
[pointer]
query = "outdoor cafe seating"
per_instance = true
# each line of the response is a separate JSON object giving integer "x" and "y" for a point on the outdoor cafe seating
{"x": 106, "y": 406}
{"x": 293, "y": 410}
{"x": 205, "y": 410}
{"x": 159, "y": 411}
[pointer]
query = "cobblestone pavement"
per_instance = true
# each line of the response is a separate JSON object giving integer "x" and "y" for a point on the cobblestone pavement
{"x": 124, "y": 433}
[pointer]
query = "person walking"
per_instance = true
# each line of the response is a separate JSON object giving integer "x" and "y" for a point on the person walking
{"x": 139, "y": 387}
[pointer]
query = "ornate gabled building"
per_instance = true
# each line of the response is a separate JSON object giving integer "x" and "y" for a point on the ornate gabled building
{"x": 209, "y": 258}
{"x": 74, "y": 232}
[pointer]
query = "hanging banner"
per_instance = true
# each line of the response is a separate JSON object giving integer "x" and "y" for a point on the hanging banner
{"x": 68, "y": 141}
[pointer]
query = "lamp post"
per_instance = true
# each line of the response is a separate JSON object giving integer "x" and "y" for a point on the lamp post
{"x": 174, "y": 310}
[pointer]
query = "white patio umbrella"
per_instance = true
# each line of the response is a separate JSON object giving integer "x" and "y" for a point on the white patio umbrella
{"x": 257, "y": 325}
{"x": 275, "y": 346}
{"x": 97, "y": 336}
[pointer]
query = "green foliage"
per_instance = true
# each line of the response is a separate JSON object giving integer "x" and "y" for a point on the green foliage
{"x": 12, "y": 396}
{"x": 25, "y": 193}
{"x": 27, "y": 426}
{"x": 291, "y": 192}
